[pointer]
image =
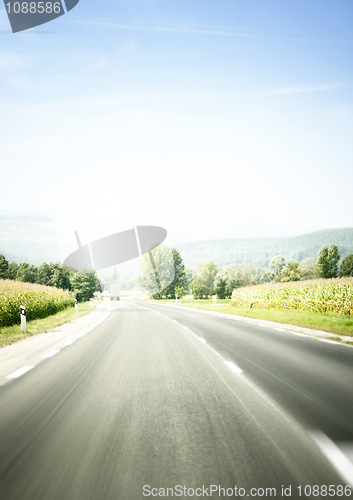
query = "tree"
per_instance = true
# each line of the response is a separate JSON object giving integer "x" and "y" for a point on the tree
{"x": 84, "y": 284}
{"x": 3, "y": 267}
{"x": 221, "y": 287}
{"x": 199, "y": 290}
{"x": 230, "y": 277}
{"x": 189, "y": 276}
{"x": 290, "y": 272}
{"x": 43, "y": 274}
{"x": 327, "y": 261}
{"x": 27, "y": 273}
{"x": 307, "y": 269}
{"x": 162, "y": 272}
{"x": 346, "y": 268}
{"x": 333, "y": 257}
{"x": 206, "y": 272}
{"x": 276, "y": 264}
{"x": 12, "y": 271}
{"x": 59, "y": 276}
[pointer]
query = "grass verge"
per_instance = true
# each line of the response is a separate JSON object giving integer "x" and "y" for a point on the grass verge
{"x": 340, "y": 324}
{"x": 11, "y": 334}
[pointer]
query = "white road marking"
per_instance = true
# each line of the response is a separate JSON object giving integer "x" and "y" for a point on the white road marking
{"x": 201, "y": 340}
{"x": 232, "y": 366}
{"x": 279, "y": 329}
{"x": 20, "y": 372}
{"x": 80, "y": 335}
{"x": 50, "y": 354}
{"x": 328, "y": 341}
{"x": 265, "y": 326}
{"x": 69, "y": 342}
{"x": 298, "y": 334}
{"x": 341, "y": 463}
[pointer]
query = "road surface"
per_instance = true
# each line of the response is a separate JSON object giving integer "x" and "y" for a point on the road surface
{"x": 159, "y": 400}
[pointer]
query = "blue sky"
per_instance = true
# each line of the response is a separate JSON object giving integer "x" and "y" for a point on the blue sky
{"x": 212, "y": 118}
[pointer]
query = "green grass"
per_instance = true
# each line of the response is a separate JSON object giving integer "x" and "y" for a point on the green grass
{"x": 11, "y": 334}
{"x": 341, "y": 324}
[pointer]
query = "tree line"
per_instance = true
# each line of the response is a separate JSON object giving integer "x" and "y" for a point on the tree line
{"x": 82, "y": 283}
{"x": 210, "y": 279}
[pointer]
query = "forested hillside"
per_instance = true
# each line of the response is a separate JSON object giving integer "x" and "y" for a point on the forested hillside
{"x": 33, "y": 240}
{"x": 259, "y": 251}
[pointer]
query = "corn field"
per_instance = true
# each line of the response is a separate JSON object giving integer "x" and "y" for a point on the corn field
{"x": 334, "y": 296}
{"x": 40, "y": 301}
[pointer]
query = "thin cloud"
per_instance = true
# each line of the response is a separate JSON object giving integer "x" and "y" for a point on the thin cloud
{"x": 212, "y": 31}
{"x": 169, "y": 29}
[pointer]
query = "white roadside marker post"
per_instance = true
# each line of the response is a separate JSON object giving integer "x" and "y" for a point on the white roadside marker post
{"x": 76, "y": 306}
{"x": 180, "y": 300}
{"x": 90, "y": 302}
{"x": 23, "y": 319}
{"x": 176, "y": 300}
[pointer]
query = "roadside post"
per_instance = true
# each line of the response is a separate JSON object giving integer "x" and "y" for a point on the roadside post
{"x": 76, "y": 306}
{"x": 180, "y": 300}
{"x": 90, "y": 302}
{"x": 214, "y": 297}
{"x": 176, "y": 300}
{"x": 23, "y": 319}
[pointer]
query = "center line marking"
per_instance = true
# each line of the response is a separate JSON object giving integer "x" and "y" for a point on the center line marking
{"x": 201, "y": 340}
{"x": 50, "y": 354}
{"x": 232, "y": 366}
{"x": 20, "y": 371}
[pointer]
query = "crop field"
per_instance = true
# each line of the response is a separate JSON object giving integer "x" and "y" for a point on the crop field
{"x": 333, "y": 296}
{"x": 40, "y": 301}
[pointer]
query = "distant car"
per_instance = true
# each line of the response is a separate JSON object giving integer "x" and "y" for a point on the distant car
{"x": 115, "y": 297}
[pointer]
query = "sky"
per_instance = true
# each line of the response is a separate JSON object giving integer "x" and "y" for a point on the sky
{"x": 211, "y": 118}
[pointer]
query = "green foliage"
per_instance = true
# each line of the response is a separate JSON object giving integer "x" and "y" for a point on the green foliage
{"x": 206, "y": 272}
{"x": 199, "y": 290}
{"x": 346, "y": 268}
{"x": 228, "y": 278}
{"x": 276, "y": 264}
{"x": 327, "y": 261}
{"x": 39, "y": 301}
{"x": 308, "y": 270}
{"x": 326, "y": 296}
{"x": 260, "y": 251}
{"x": 84, "y": 284}
{"x": 12, "y": 271}
{"x": 221, "y": 287}
{"x": 189, "y": 277}
{"x": 162, "y": 273}
{"x": 3, "y": 267}
{"x": 333, "y": 257}
{"x": 290, "y": 272}
{"x": 27, "y": 273}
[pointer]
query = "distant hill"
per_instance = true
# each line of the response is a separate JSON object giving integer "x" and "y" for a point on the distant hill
{"x": 29, "y": 239}
{"x": 33, "y": 239}
{"x": 259, "y": 251}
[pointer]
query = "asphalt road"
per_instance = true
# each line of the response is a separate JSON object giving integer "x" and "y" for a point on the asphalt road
{"x": 161, "y": 397}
